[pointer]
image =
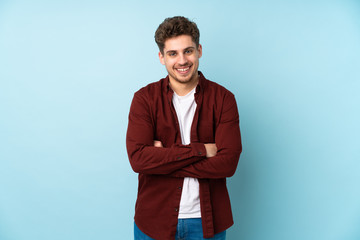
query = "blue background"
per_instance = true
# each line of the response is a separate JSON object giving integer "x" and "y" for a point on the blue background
{"x": 68, "y": 71}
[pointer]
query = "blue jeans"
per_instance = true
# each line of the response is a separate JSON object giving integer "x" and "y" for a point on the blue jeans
{"x": 187, "y": 229}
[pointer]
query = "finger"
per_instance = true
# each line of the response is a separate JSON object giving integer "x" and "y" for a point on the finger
{"x": 158, "y": 143}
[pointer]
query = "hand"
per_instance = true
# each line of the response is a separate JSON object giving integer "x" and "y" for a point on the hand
{"x": 158, "y": 143}
{"x": 211, "y": 149}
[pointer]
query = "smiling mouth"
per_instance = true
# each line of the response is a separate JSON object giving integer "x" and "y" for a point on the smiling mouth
{"x": 184, "y": 70}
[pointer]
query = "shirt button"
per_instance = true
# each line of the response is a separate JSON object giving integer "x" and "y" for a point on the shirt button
{"x": 180, "y": 188}
{"x": 176, "y": 209}
{"x": 199, "y": 153}
{"x": 178, "y": 158}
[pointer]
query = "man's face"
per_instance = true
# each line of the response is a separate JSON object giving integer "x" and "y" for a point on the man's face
{"x": 181, "y": 59}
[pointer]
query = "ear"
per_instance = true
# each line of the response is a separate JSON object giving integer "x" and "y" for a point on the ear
{"x": 161, "y": 58}
{"x": 200, "y": 50}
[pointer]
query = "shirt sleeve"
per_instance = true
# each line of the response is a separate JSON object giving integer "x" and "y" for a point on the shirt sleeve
{"x": 228, "y": 142}
{"x": 143, "y": 156}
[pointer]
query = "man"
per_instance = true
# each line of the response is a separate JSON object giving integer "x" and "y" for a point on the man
{"x": 183, "y": 139}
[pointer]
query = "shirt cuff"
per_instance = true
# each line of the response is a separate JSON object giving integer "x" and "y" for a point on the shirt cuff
{"x": 198, "y": 149}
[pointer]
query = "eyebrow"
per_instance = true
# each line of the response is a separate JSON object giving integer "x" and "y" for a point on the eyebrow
{"x": 188, "y": 48}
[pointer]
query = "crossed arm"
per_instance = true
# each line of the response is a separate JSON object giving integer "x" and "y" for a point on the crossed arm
{"x": 210, "y": 148}
{"x": 199, "y": 160}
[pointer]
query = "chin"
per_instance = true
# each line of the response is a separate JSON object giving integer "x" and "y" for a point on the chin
{"x": 185, "y": 79}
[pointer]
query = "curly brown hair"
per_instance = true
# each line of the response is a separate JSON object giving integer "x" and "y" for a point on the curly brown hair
{"x": 173, "y": 27}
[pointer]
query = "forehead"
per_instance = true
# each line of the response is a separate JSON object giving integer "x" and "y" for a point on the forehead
{"x": 179, "y": 43}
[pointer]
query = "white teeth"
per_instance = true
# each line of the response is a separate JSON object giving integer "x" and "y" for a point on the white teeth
{"x": 183, "y": 69}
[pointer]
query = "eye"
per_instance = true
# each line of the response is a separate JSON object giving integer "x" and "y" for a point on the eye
{"x": 172, "y": 54}
{"x": 188, "y": 51}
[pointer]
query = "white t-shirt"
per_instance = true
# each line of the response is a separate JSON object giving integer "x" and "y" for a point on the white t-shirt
{"x": 185, "y": 107}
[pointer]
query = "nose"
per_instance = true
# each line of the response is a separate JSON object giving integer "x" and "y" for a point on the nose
{"x": 182, "y": 59}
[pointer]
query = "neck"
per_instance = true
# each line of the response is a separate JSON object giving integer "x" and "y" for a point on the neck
{"x": 182, "y": 89}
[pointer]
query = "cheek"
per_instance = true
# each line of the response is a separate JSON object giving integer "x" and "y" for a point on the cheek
{"x": 194, "y": 59}
{"x": 195, "y": 62}
{"x": 169, "y": 64}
